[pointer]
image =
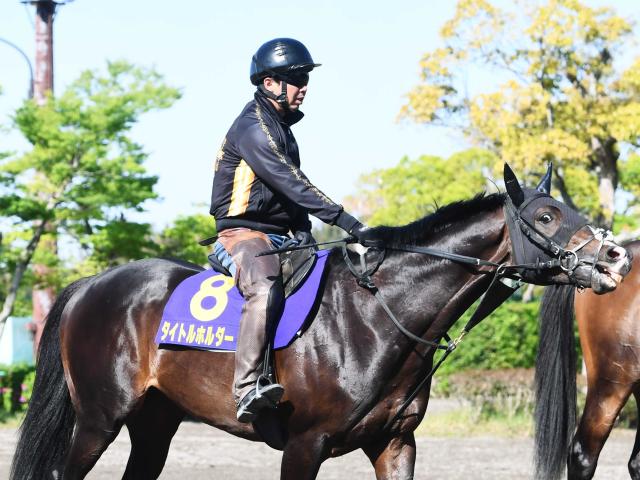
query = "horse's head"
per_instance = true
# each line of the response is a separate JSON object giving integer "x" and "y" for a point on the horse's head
{"x": 556, "y": 244}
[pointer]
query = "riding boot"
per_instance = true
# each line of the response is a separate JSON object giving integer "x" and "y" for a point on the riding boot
{"x": 259, "y": 281}
{"x": 263, "y": 393}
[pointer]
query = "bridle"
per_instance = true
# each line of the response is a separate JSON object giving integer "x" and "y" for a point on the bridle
{"x": 564, "y": 258}
{"x": 506, "y": 278}
{"x": 502, "y": 284}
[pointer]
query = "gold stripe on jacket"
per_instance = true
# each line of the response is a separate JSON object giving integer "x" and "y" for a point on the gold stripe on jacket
{"x": 242, "y": 183}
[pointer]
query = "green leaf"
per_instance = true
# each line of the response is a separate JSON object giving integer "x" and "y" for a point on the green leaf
{"x": 560, "y": 97}
{"x": 83, "y": 173}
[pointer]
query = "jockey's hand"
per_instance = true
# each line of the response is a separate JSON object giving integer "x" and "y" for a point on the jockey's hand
{"x": 304, "y": 238}
{"x": 366, "y": 236}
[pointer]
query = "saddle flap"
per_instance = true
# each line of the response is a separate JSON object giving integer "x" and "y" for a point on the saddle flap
{"x": 217, "y": 265}
{"x": 296, "y": 266}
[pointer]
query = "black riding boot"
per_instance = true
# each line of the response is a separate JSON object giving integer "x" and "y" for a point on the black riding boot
{"x": 265, "y": 393}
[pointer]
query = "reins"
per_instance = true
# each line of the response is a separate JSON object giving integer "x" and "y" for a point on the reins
{"x": 501, "y": 287}
{"x": 494, "y": 296}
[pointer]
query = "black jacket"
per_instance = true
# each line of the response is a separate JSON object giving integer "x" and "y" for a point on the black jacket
{"x": 258, "y": 183}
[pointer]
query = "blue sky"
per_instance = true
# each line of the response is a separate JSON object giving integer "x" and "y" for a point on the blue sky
{"x": 369, "y": 50}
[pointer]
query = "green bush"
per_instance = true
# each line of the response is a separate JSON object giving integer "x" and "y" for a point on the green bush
{"x": 508, "y": 338}
{"x": 492, "y": 369}
{"x": 16, "y": 385}
{"x": 493, "y": 393}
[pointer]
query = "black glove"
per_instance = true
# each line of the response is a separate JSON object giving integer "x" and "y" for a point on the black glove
{"x": 363, "y": 234}
{"x": 366, "y": 236}
{"x": 304, "y": 238}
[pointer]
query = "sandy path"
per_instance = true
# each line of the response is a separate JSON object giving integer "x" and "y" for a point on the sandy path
{"x": 200, "y": 452}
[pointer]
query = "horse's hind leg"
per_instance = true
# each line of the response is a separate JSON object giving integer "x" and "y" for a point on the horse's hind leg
{"x": 393, "y": 458}
{"x": 151, "y": 430}
{"x": 91, "y": 438}
{"x": 603, "y": 404}
{"x": 634, "y": 461}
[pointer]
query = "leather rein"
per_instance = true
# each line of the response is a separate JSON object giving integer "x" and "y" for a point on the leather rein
{"x": 506, "y": 280}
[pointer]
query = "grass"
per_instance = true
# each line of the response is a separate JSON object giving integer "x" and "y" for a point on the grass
{"x": 465, "y": 422}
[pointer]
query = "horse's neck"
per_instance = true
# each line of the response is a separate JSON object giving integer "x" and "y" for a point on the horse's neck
{"x": 426, "y": 295}
{"x": 440, "y": 291}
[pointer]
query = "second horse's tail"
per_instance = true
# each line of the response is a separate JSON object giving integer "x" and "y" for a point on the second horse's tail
{"x": 46, "y": 431}
{"x": 555, "y": 382}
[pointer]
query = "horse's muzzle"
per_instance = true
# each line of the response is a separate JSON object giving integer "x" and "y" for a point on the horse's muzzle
{"x": 613, "y": 264}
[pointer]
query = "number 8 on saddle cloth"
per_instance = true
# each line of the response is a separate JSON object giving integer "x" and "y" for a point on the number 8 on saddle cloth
{"x": 204, "y": 310}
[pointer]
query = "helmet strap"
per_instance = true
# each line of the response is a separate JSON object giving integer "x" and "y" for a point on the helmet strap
{"x": 280, "y": 99}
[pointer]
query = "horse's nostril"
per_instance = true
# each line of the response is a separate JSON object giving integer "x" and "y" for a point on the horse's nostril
{"x": 615, "y": 253}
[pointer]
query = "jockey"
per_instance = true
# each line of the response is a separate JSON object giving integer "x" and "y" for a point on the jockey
{"x": 259, "y": 197}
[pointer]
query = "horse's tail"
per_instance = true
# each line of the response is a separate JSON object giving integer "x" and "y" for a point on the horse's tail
{"x": 46, "y": 431}
{"x": 555, "y": 382}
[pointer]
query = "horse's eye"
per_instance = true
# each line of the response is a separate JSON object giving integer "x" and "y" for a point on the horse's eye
{"x": 545, "y": 218}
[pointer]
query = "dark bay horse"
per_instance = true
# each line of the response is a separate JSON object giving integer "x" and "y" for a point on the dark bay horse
{"x": 609, "y": 330}
{"x": 344, "y": 378}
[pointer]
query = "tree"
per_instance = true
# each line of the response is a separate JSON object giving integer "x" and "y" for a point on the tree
{"x": 414, "y": 188}
{"x": 9, "y": 257}
{"x": 118, "y": 241}
{"x": 180, "y": 240}
{"x": 83, "y": 172}
{"x": 562, "y": 97}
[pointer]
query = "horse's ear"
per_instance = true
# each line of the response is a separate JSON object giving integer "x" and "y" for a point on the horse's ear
{"x": 545, "y": 184}
{"x": 513, "y": 187}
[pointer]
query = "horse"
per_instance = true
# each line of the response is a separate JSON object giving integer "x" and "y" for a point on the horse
{"x": 609, "y": 332}
{"x": 347, "y": 375}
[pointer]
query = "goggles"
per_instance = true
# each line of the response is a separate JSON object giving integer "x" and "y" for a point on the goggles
{"x": 297, "y": 79}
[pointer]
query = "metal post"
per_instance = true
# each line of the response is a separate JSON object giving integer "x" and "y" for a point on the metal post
{"x": 43, "y": 82}
{"x": 42, "y": 295}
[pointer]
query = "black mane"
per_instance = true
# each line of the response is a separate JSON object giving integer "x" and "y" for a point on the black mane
{"x": 441, "y": 218}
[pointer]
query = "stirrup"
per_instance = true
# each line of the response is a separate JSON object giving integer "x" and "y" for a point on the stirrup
{"x": 259, "y": 398}
{"x": 268, "y": 391}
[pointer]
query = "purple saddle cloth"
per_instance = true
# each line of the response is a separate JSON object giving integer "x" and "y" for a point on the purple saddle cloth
{"x": 203, "y": 312}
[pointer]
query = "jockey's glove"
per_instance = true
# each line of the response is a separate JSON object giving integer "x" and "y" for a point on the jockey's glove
{"x": 369, "y": 237}
{"x": 304, "y": 238}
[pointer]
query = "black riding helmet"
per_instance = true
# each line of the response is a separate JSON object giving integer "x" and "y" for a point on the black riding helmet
{"x": 284, "y": 59}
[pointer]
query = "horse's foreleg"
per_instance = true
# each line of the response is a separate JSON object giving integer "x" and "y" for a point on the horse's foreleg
{"x": 634, "y": 461}
{"x": 393, "y": 458}
{"x": 603, "y": 403}
{"x": 302, "y": 456}
{"x": 151, "y": 430}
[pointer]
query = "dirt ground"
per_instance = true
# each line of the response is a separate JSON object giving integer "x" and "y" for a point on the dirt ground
{"x": 200, "y": 452}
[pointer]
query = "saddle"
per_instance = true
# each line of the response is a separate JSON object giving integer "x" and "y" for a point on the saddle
{"x": 295, "y": 265}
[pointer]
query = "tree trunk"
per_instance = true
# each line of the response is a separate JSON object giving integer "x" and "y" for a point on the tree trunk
{"x": 607, "y": 160}
{"x": 566, "y": 197}
{"x": 18, "y": 273}
{"x": 21, "y": 267}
